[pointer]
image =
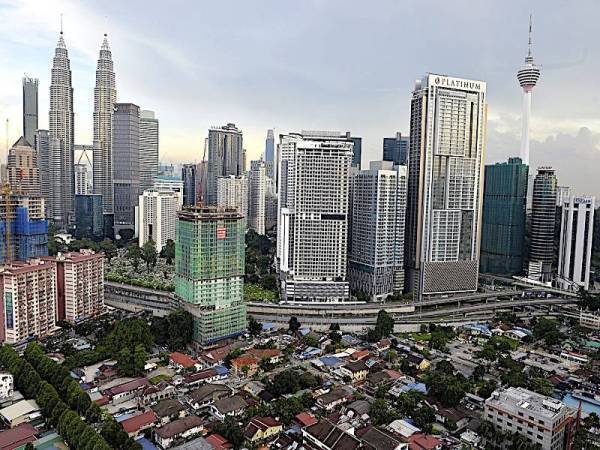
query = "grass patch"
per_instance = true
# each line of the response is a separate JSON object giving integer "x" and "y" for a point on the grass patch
{"x": 255, "y": 293}
{"x": 421, "y": 337}
{"x": 158, "y": 378}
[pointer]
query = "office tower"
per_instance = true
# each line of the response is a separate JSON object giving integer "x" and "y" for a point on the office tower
{"x": 22, "y": 169}
{"x": 170, "y": 183}
{"x": 201, "y": 175}
{"x": 23, "y": 227}
{"x": 30, "y": 108}
{"x": 209, "y": 271}
{"x": 126, "y": 164}
{"x": 232, "y": 192}
{"x": 28, "y": 308}
{"x": 148, "y": 149}
{"x": 395, "y": 149}
{"x": 257, "y": 189}
{"x": 543, "y": 217}
{"x": 157, "y": 217}
{"x": 575, "y": 250}
{"x": 270, "y": 210}
{"x": 357, "y": 150}
{"x": 188, "y": 175}
{"x": 563, "y": 194}
{"x": 376, "y": 261}
{"x": 503, "y": 225}
{"x": 89, "y": 217}
{"x": 105, "y": 97}
{"x": 312, "y": 229}
{"x": 42, "y": 146}
{"x": 225, "y": 157}
{"x": 79, "y": 285}
{"x": 270, "y": 154}
{"x": 528, "y": 76}
{"x": 62, "y": 181}
{"x": 445, "y": 184}
{"x": 81, "y": 179}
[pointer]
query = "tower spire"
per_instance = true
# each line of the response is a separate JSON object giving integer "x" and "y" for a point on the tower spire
{"x": 529, "y": 45}
{"x": 61, "y": 23}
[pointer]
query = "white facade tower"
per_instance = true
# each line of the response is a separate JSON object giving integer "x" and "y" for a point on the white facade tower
{"x": 257, "y": 190}
{"x": 528, "y": 76}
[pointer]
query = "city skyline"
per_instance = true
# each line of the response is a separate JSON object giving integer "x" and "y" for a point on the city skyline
{"x": 372, "y": 103}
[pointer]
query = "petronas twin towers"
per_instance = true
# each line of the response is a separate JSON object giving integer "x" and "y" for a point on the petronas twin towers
{"x": 61, "y": 133}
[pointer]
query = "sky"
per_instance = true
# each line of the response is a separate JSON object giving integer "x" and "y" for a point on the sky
{"x": 317, "y": 64}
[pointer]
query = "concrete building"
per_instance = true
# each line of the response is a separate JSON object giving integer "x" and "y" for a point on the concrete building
{"x": 61, "y": 136}
{"x": 232, "y": 192}
{"x": 356, "y": 150}
{"x": 575, "y": 250}
{"x": 445, "y": 185}
{"x": 271, "y": 204}
{"x": 257, "y": 190}
{"x": 542, "y": 420}
{"x": 42, "y": 146}
{"x": 148, "y": 149}
{"x": 22, "y": 169}
{"x": 543, "y": 221}
{"x": 89, "y": 217}
{"x": 201, "y": 176}
{"x": 225, "y": 157}
{"x": 169, "y": 183}
{"x": 29, "y": 306}
{"x": 395, "y": 149}
{"x": 312, "y": 237}
{"x": 30, "y": 108}
{"x": 270, "y": 154}
{"x": 126, "y": 164}
{"x": 81, "y": 180}
{"x": 376, "y": 260}
{"x": 105, "y": 98}
{"x": 188, "y": 175}
{"x": 6, "y": 385}
{"x": 209, "y": 271}
{"x": 157, "y": 217}
{"x": 563, "y": 194}
{"x": 79, "y": 285}
{"x": 504, "y": 214}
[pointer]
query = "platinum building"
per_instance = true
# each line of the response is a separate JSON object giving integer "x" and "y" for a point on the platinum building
{"x": 445, "y": 184}
{"x": 376, "y": 260}
{"x": 312, "y": 232}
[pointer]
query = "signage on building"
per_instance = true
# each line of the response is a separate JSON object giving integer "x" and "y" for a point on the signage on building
{"x": 442, "y": 81}
{"x": 221, "y": 233}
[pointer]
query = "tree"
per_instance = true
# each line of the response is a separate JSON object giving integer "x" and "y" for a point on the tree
{"x": 424, "y": 418}
{"x": 231, "y": 431}
{"x": 478, "y": 373}
{"x": 547, "y": 329}
{"x": 541, "y": 386}
{"x": 134, "y": 254}
{"x": 149, "y": 254}
{"x": 254, "y": 327}
{"x": 231, "y": 356}
{"x": 269, "y": 282}
{"x": 109, "y": 249}
{"x": 385, "y": 324}
{"x": 168, "y": 251}
{"x": 381, "y": 413}
{"x": 294, "y": 324}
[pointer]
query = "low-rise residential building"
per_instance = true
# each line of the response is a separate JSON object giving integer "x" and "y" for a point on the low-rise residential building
{"x": 20, "y": 412}
{"x": 356, "y": 371}
{"x": 126, "y": 391}
{"x": 138, "y": 423}
{"x": 152, "y": 394}
{"x": 179, "y": 429}
{"x": 18, "y": 437}
{"x": 180, "y": 361}
{"x": 260, "y": 428}
{"x": 245, "y": 365}
{"x": 207, "y": 394}
{"x": 228, "y": 406}
{"x": 331, "y": 399}
{"x": 589, "y": 319}
{"x": 168, "y": 410}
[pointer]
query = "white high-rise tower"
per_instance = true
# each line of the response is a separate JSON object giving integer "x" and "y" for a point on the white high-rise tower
{"x": 528, "y": 76}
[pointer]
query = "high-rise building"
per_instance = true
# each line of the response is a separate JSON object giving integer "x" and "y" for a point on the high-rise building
{"x": 23, "y": 170}
{"x": 126, "y": 164}
{"x": 395, "y": 149}
{"x": 61, "y": 134}
{"x": 445, "y": 184}
{"x": 28, "y": 308}
{"x": 170, "y": 183}
{"x": 543, "y": 218}
{"x": 201, "y": 175}
{"x": 376, "y": 260}
{"x": 105, "y": 97}
{"x": 504, "y": 218}
{"x": 23, "y": 228}
{"x": 575, "y": 250}
{"x": 257, "y": 190}
{"x": 225, "y": 157}
{"x": 270, "y": 210}
{"x": 232, "y": 192}
{"x": 312, "y": 229}
{"x": 82, "y": 157}
{"x": 563, "y": 194}
{"x": 157, "y": 217}
{"x": 89, "y": 217}
{"x": 356, "y": 150}
{"x": 528, "y": 76}
{"x": 148, "y": 149}
{"x": 30, "y": 108}
{"x": 188, "y": 175}
{"x": 42, "y": 146}
{"x": 270, "y": 154}
{"x": 79, "y": 285}
{"x": 81, "y": 179}
{"x": 209, "y": 271}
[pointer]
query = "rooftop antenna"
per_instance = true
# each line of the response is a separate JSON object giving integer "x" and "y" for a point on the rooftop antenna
{"x": 529, "y": 47}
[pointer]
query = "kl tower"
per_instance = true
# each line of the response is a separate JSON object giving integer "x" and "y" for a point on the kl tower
{"x": 528, "y": 76}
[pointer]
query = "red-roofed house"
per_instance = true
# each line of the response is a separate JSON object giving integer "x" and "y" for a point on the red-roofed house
{"x": 218, "y": 442}
{"x": 358, "y": 355}
{"x": 248, "y": 362}
{"x": 181, "y": 361}
{"x": 420, "y": 441}
{"x": 126, "y": 391}
{"x": 141, "y": 422}
{"x": 305, "y": 419}
{"x": 18, "y": 436}
{"x": 271, "y": 354}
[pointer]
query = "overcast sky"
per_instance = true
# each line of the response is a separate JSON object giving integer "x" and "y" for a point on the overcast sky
{"x": 320, "y": 64}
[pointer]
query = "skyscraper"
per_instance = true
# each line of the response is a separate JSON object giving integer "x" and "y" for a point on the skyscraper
{"x": 528, "y": 76}
{"x": 62, "y": 182}
{"x": 201, "y": 175}
{"x": 575, "y": 251}
{"x": 42, "y": 146}
{"x": 376, "y": 260}
{"x": 30, "y": 108}
{"x": 81, "y": 179}
{"x": 188, "y": 175}
{"x": 232, "y": 192}
{"x": 270, "y": 154}
{"x": 445, "y": 186}
{"x": 148, "y": 149}
{"x": 89, "y": 217}
{"x": 314, "y": 179}
{"x": 257, "y": 189}
{"x": 23, "y": 170}
{"x": 225, "y": 157}
{"x": 503, "y": 227}
{"x": 157, "y": 217}
{"x": 126, "y": 164}
{"x": 105, "y": 97}
{"x": 543, "y": 217}
{"x": 395, "y": 149}
{"x": 209, "y": 271}
{"x": 356, "y": 149}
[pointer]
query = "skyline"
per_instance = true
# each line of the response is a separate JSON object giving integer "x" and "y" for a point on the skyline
{"x": 238, "y": 72}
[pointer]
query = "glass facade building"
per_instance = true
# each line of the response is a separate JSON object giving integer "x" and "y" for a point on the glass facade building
{"x": 395, "y": 149}
{"x": 89, "y": 219}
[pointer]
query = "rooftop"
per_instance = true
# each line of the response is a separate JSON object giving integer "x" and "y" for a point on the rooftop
{"x": 513, "y": 397}
{"x": 135, "y": 423}
{"x": 177, "y": 427}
